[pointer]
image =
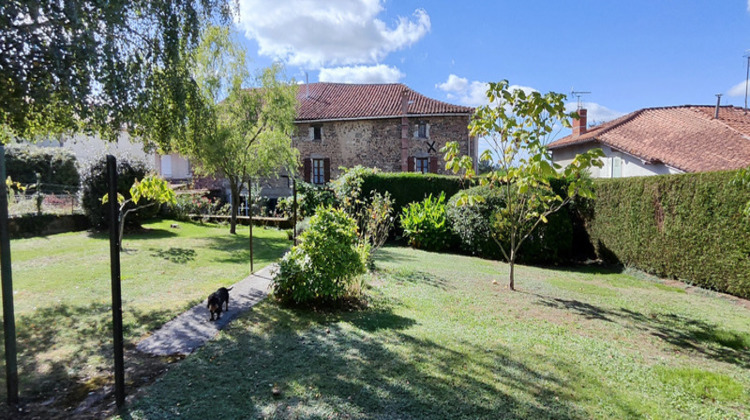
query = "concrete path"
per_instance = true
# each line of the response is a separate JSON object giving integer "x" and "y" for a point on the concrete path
{"x": 192, "y": 329}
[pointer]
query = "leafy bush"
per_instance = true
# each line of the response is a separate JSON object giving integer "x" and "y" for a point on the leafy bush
{"x": 690, "y": 227}
{"x": 475, "y": 224}
{"x": 322, "y": 267}
{"x": 425, "y": 224}
{"x": 57, "y": 167}
{"x": 95, "y": 186}
{"x": 309, "y": 198}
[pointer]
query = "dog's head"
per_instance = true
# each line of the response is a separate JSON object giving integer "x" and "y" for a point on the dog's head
{"x": 214, "y": 303}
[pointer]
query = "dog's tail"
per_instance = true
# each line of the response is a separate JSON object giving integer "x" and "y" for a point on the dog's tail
{"x": 230, "y": 288}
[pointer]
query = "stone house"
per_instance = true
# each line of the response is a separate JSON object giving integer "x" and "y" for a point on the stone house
{"x": 658, "y": 141}
{"x": 387, "y": 126}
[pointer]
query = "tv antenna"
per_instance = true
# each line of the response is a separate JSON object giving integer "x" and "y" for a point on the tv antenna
{"x": 747, "y": 76}
{"x": 578, "y": 95}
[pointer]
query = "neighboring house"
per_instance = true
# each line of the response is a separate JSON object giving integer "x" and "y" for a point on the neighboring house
{"x": 657, "y": 141}
{"x": 387, "y": 126}
{"x": 90, "y": 148}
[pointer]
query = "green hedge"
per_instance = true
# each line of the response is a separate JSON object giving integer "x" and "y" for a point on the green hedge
{"x": 56, "y": 166}
{"x": 407, "y": 187}
{"x": 688, "y": 227}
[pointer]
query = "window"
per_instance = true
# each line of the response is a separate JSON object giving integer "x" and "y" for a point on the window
{"x": 317, "y": 132}
{"x": 422, "y": 130}
{"x": 318, "y": 172}
{"x": 421, "y": 165}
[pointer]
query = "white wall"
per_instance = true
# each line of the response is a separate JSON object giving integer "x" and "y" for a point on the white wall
{"x": 90, "y": 148}
{"x": 628, "y": 165}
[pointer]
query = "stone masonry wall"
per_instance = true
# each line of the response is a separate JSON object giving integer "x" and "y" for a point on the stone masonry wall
{"x": 377, "y": 142}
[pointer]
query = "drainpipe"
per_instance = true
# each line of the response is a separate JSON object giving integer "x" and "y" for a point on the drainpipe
{"x": 718, "y": 104}
{"x": 404, "y": 131}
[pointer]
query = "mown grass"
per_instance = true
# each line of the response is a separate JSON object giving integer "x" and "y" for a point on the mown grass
{"x": 62, "y": 297}
{"x": 441, "y": 340}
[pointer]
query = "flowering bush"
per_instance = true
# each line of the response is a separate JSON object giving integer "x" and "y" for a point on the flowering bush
{"x": 196, "y": 203}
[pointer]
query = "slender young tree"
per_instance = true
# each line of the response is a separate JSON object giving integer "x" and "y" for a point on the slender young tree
{"x": 516, "y": 126}
{"x": 244, "y": 130}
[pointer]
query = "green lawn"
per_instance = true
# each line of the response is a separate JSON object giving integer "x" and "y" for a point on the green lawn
{"x": 440, "y": 340}
{"x": 62, "y": 297}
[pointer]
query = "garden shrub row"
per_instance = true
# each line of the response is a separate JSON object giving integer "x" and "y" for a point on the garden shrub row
{"x": 56, "y": 167}
{"x": 551, "y": 242}
{"x": 406, "y": 187}
{"x": 689, "y": 227}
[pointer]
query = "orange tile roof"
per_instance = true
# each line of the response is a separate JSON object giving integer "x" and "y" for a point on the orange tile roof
{"x": 333, "y": 101}
{"x": 683, "y": 137}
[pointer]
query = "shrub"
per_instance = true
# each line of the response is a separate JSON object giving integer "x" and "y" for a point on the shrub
{"x": 690, "y": 227}
{"x": 57, "y": 167}
{"x": 95, "y": 186}
{"x": 425, "y": 224}
{"x": 373, "y": 212}
{"x": 322, "y": 267}
{"x": 196, "y": 203}
{"x": 474, "y": 225}
{"x": 309, "y": 198}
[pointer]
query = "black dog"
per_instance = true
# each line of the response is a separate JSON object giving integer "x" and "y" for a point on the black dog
{"x": 216, "y": 299}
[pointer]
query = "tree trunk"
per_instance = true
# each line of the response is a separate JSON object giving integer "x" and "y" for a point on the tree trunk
{"x": 234, "y": 204}
{"x": 512, "y": 262}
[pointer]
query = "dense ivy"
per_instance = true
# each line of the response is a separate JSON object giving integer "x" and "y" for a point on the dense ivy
{"x": 690, "y": 227}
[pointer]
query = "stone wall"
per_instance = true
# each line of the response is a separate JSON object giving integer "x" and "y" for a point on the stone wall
{"x": 377, "y": 142}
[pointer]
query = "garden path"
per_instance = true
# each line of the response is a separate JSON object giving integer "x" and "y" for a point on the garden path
{"x": 192, "y": 329}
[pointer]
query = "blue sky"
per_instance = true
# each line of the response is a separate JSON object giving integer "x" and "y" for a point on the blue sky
{"x": 629, "y": 54}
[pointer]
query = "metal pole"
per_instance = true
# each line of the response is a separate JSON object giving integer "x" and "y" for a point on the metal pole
{"x": 294, "y": 208}
{"x": 250, "y": 205}
{"x": 114, "y": 256}
{"x": 747, "y": 77}
{"x": 9, "y": 318}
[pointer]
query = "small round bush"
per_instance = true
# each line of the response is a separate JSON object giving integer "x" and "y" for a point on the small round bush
{"x": 95, "y": 186}
{"x": 550, "y": 243}
{"x": 323, "y": 266}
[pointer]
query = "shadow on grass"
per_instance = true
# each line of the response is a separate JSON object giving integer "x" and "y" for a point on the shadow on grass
{"x": 65, "y": 351}
{"x": 416, "y": 277}
{"x": 173, "y": 254}
{"x": 237, "y": 248}
{"x": 323, "y": 363}
{"x": 387, "y": 255}
{"x": 681, "y": 331}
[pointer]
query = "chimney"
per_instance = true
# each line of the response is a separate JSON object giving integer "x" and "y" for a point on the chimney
{"x": 718, "y": 104}
{"x": 579, "y": 125}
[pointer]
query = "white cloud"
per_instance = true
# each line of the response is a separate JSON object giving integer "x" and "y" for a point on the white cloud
{"x": 472, "y": 93}
{"x": 739, "y": 88}
{"x": 361, "y": 74}
{"x": 317, "y": 33}
{"x": 748, "y": 5}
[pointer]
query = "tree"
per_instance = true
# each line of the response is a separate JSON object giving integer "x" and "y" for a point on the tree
{"x": 100, "y": 67}
{"x": 241, "y": 132}
{"x": 151, "y": 188}
{"x": 516, "y": 125}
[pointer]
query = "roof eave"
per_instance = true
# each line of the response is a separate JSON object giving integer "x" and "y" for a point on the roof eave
{"x": 383, "y": 117}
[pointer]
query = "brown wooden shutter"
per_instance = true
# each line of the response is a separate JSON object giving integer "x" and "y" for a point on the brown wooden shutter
{"x": 433, "y": 164}
{"x": 307, "y": 169}
{"x": 410, "y": 164}
{"x": 327, "y": 169}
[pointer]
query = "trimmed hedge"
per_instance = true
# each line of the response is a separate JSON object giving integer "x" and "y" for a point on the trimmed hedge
{"x": 409, "y": 187}
{"x": 688, "y": 227}
{"x": 56, "y": 166}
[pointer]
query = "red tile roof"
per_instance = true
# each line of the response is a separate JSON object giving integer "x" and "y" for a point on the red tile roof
{"x": 333, "y": 101}
{"x": 683, "y": 137}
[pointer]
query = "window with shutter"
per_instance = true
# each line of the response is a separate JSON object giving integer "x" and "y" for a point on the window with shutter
{"x": 318, "y": 171}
